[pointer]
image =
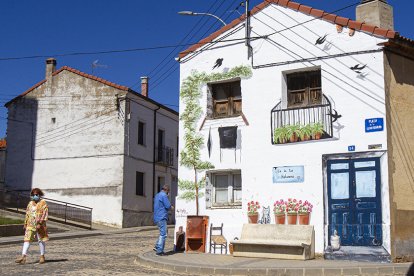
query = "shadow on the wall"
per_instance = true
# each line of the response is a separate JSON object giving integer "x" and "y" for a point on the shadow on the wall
{"x": 21, "y": 133}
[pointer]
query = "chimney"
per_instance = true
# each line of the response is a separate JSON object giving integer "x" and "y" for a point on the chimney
{"x": 50, "y": 67}
{"x": 144, "y": 86}
{"x": 376, "y": 12}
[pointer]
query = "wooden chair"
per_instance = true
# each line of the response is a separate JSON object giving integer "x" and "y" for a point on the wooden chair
{"x": 217, "y": 240}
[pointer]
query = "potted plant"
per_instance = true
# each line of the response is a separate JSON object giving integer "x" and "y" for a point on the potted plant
{"x": 293, "y": 132}
{"x": 279, "y": 135}
{"x": 292, "y": 210}
{"x": 317, "y": 130}
{"x": 305, "y": 208}
{"x": 190, "y": 157}
{"x": 252, "y": 211}
{"x": 279, "y": 209}
{"x": 305, "y": 132}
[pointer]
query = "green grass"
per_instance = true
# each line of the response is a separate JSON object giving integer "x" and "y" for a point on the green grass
{"x": 4, "y": 221}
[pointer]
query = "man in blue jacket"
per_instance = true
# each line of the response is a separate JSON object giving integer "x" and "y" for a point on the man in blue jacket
{"x": 161, "y": 207}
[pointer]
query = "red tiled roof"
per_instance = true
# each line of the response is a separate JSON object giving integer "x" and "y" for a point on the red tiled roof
{"x": 92, "y": 77}
{"x": 343, "y": 21}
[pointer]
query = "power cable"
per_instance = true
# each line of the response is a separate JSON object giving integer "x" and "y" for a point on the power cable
{"x": 182, "y": 41}
{"x": 175, "y": 64}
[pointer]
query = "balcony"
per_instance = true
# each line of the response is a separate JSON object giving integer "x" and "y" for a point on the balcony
{"x": 164, "y": 156}
{"x": 292, "y": 125}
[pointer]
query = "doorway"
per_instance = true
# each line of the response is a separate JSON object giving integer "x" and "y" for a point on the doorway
{"x": 354, "y": 201}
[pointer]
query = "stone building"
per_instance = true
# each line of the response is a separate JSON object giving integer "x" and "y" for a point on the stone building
{"x": 343, "y": 87}
{"x": 91, "y": 142}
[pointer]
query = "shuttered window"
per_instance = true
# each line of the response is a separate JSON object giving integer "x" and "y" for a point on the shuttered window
{"x": 304, "y": 89}
{"x": 227, "y": 99}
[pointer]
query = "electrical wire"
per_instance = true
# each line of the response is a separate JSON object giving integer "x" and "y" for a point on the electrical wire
{"x": 175, "y": 48}
{"x": 167, "y": 72}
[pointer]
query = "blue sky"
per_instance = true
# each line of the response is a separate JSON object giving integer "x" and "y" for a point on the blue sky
{"x": 48, "y": 27}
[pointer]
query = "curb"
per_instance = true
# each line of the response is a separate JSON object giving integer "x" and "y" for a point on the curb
{"x": 285, "y": 271}
{"x": 83, "y": 234}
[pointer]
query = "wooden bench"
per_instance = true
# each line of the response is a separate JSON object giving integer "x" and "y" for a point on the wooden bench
{"x": 296, "y": 242}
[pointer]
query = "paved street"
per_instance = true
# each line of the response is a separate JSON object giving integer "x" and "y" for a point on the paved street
{"x": 130, "y": 253}
{"x": 99, "y": 255}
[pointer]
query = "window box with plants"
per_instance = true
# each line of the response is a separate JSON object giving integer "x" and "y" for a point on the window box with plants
{"x": 297, "y": 133}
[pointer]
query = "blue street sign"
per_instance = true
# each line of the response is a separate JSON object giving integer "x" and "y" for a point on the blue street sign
{"x": 374, "y": 124}
{"x": 351, "y": 148}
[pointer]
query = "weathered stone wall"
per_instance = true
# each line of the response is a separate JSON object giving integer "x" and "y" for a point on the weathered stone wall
{"x": 66, "y": 137}
{"x": 399, "y": 84}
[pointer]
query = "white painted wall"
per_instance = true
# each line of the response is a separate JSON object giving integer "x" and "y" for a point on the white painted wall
{"x": 140, "y": 157}
{"x": 356, "y": 98}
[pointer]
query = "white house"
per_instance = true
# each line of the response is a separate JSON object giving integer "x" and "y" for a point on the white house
{"x": 308, "y": 67}
{"x": 91, "y": 142}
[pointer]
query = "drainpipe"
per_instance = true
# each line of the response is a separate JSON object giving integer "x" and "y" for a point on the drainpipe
{"x": 153, "y": 160}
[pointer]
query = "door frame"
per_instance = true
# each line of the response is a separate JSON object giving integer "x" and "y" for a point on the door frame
{"x": 384, "y": 190}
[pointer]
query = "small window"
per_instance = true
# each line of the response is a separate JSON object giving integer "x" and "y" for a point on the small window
{"x": 304, "y": 89}
{"x": 227, "y": 99}
{"x": 141, "y": 133}
{"x": 139, "y": 183}
{"x": 227, "y": 188}
{"x": 53, "y": 120}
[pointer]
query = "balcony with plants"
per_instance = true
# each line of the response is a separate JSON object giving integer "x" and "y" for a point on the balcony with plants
{"x": 299, "y": 124}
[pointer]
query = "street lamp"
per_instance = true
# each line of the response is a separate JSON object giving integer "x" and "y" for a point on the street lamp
{"x": 202, "y": 13}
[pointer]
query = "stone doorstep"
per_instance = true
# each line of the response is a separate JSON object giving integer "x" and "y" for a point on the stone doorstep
{"x": 288, "y": 271}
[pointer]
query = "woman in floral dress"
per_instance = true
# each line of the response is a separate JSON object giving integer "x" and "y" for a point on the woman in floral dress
{"x": 35, "y": 225}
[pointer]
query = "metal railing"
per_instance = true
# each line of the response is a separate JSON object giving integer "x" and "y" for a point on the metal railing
{"x": 59, "y": 211}
{"x": 320, "y": 113}
{"x": 165, "y": 156}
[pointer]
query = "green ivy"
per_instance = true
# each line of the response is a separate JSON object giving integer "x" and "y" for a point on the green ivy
{"x": 190, "y": 156}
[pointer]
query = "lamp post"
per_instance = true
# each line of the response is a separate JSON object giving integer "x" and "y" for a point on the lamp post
{"x": 202, "y": 13}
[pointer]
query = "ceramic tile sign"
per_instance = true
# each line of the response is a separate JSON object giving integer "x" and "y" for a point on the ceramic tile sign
{"x": 374, "y": 124}
{"x": 288, "y": 174}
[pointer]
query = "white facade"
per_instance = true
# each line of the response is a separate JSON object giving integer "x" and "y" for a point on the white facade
{"x": 75, "y": 138}
{"x": 355, "y": 96}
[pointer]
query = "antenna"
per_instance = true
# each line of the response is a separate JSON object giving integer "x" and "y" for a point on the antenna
{"x": 95, "y": 64}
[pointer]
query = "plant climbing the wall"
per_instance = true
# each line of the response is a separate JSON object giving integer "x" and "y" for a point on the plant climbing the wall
{"x": 190, "y": 155}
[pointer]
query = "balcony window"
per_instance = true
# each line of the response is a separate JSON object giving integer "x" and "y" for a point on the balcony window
{"x": 165, "y": 156}
{"x": 227, "y": 99}
{"x": 311, "y": 122}
{"x": 304, "y": 89}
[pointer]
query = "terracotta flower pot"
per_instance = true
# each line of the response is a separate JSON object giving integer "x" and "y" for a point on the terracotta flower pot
{"x": 280, "y": 218}
{"x": 304, "y": 218}
{"x": 291, "y": 218}
{"x": 231, "y": 248}
{"x": 253, "y": 218}
{"x": 293, "y": 138}
{"x": 317, "y": 136}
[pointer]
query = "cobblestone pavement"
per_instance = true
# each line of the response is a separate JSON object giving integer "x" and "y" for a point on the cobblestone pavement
{"x": 99, "y": 255}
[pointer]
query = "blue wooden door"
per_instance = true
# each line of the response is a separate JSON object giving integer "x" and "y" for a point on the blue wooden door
{"x": 354, "y": 201}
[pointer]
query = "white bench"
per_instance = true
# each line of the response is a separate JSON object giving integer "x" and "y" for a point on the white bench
{"x": 296, "y": 242}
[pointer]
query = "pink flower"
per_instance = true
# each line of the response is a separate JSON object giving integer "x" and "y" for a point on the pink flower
{"x": 294, "y": 200}
{"x": 252, "y": 202}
